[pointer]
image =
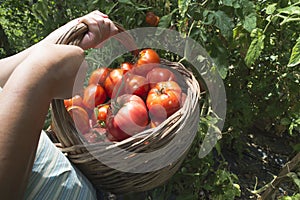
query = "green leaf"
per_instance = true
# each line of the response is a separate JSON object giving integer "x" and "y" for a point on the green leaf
{"x": 232, "y": 3}
{"x": 290, "y": 10}
{"x": 165, "y": 21}
{"x": 271, "y": 8}
{"x": 256, "y": 47}
{"x": 295, "y": 56}
{"x": 183, "y": 6}
{"x": 224, "y": 23}
{"x": 250, "y": 22}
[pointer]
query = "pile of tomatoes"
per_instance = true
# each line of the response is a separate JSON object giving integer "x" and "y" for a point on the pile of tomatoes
{"x": 121, "y": 102}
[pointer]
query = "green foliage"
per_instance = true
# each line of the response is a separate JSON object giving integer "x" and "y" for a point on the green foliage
{"x": 254, "y": 44}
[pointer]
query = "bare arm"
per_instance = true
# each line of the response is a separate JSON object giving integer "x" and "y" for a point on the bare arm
{"x": 100, "y": 28}
{"x": 24, "y": 101}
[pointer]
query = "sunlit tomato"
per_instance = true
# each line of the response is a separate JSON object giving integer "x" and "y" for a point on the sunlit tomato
{"x": 148, "y": 60}
{"x": 159, "y": 75}
{"x": 99, "y": 75}
{"x": 74, "y": 101}
{"x": 135, "y": 84}
{"x": 102, "y": 112}
{"x": 126, "y": 116}
{"x": 80, "y": 118}
{"x": 126, "y": 66}
{"x": 163, "y": 100}
{"x": 112, "y": 80}
{"x": 93, "y": 96}
{"x": 152, "y": 19}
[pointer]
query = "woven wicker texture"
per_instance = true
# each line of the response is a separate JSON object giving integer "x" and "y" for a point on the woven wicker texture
{"x": 174, "y": 132}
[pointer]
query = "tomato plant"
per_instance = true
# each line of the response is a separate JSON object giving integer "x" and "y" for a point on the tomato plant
{"x": 94, "y": 95}
{"x": 126, "y": 116}
{"x": 163, "y": 100}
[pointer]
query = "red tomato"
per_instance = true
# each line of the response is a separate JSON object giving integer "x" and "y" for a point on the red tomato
{"x": 74, "y": 101}
{"x": 94, "y": 95}
{"x": 152, "y": 19}
{"x": 163, "y": 100}
{"x": 102, "y": 112}
{"x": 112, "y": 80}
{"x": 126, "y": 66}
{"x": 99, "y": 75}
{"x": 135, "y": 84}
{"x": 126, "y": 116}
{"x": 80, "y": 118}
{"x": 148, "y": 59}
{"x": 159, "y": 75}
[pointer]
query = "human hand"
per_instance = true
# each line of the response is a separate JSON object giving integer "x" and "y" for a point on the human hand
{"x": 100, "y": 28}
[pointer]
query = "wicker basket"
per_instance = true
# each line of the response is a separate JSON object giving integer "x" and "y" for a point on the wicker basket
{"x": 174, "y": 132}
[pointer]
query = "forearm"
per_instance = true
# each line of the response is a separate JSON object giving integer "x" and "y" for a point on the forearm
{"x": 23, "y": 109}
{"x": 8, "y": 65}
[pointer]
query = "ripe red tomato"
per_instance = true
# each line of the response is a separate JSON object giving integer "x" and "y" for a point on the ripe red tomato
{"x": 80, "y": 118}
{"x": 126, "y": 66}
{"x": 159, "y": 75}
{"x": 93, "y": 96}
{"x": 148, "y": 59}
{"x": 126, "y": 116}
{"x": 163, "y": 100}
{"x": 102, "y": 112}
{"x": 99, "y": 75}
{"x": 74, "y": 101}
{"x": 112, "y": 82}
{"x": 152, "y": 19}
{"x": 135, "y": 84}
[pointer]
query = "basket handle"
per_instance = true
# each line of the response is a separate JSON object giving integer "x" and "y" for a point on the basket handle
{"x": 76, "y": 33}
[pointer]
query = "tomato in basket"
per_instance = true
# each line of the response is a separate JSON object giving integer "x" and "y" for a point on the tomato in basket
{"x": 148, "y": 59}
{"x": 99, "y": 75}
{"x": 80, "y": 118}
{"x": 126, "y": 116}
{"x": 163, "y": 100}
{"x": 159, "y": 75}
{"x": 112, "y": 81}
{"x": 135, "y": 84}
{"x": 74, "y": 101}
{"x": 126, "y": 66}
{"x": 93, "y": 96}
{"x": 102, "y": 112}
